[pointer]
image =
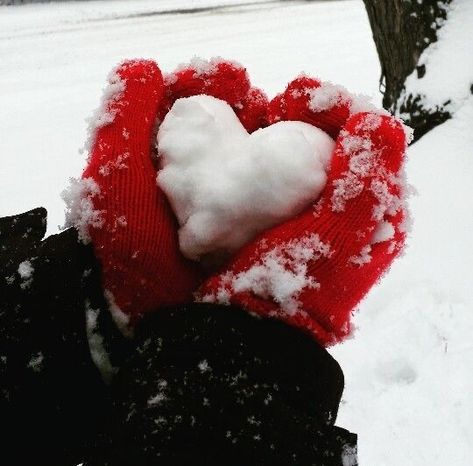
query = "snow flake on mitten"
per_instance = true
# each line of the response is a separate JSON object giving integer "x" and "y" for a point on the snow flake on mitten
{"x": 280, "y": 273}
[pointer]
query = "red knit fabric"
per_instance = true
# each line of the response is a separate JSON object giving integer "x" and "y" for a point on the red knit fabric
{"x": 137, "y": 242}
{"x": 293, "y": 105}
{"x": 342, "y": 280}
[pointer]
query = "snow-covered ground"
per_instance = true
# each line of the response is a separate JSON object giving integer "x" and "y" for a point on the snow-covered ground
{"x": 409, "y": 368}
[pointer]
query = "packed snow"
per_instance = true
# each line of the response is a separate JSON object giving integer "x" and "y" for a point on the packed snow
{"x": 408, "y": 368}
{"x": 226, "y": 185}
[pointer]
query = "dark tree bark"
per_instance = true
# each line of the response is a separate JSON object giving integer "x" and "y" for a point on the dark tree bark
{"x": 402, "y": 30}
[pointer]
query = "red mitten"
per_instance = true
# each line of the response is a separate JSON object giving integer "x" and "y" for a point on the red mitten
{"x": 314, "y": 269}
{"x": 121, "y": 209}
{"x": 135, "y": 237}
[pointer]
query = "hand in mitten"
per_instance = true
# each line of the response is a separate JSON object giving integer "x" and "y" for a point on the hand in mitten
{"x": 120, "y": 208}
{"x": 312, "y": 270}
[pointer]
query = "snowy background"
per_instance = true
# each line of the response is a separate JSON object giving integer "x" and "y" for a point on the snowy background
{"x": 409, "y": 367}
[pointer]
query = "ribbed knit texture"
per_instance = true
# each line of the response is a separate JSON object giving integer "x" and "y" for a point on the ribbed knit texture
{"x": 137, "y": 244}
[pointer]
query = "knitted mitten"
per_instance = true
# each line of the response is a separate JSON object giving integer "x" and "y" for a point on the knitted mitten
{"x": 312, "y": 270}
{"x": 126, "y": 216}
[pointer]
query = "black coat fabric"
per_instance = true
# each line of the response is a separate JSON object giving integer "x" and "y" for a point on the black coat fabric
{"x": 53, "y": 400}
{"x": 198, "y": 384}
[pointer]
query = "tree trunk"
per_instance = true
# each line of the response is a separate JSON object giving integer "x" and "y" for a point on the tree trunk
{"x": 402, "y": 29}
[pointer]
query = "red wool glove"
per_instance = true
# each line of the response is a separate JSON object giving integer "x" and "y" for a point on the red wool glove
{"x": 126, "y": 216}
{"x": 310, "y": 271}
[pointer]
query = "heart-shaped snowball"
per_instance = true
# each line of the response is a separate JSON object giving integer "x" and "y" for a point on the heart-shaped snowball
{"x": 226, "y": 185}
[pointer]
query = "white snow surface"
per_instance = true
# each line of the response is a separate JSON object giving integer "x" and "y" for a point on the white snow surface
{"x": 226, "y": 185}
{"x": 408, "y": 369}
{"x": 449, "y": 62}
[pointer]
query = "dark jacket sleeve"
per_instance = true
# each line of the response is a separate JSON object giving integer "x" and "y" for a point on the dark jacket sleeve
{"x": 51, "y": 394}
{"x": 212, "y": 385}
{"x": 198, "y": 384}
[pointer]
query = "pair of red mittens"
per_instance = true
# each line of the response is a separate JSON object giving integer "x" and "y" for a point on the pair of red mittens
{"x": 310, "y": 271}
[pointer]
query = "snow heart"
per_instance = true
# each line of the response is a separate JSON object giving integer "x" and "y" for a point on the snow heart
{"x": 225, "y": 185}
